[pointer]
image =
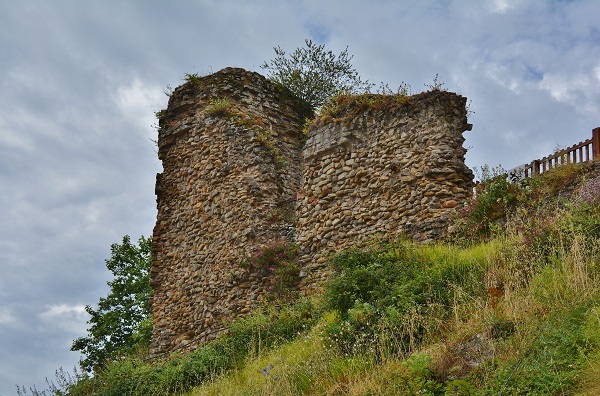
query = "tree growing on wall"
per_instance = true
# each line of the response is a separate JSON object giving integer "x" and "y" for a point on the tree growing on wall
{"x": 122, "y": 321}
{"x": 315, "y": 74}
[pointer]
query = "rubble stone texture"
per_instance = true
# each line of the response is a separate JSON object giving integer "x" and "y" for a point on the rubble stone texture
{"x": 231, "y": 148}
{"x": 393, "y": 170}
{"x": 239, "y": 173}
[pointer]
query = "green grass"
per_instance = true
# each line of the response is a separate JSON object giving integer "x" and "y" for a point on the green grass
{"x": 514, "y": 310}
{"x": 540, "y": 337}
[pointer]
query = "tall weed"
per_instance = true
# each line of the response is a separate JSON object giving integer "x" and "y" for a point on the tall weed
{"x": 392, "y": 297}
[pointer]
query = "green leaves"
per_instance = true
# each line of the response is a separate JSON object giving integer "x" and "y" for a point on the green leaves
{"x": 315, "y": 75}
{"x": 396, "y": 291}
{"x": 121, "y": 323}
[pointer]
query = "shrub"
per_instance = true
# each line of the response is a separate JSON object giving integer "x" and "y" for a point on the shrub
{"x": 552, "y": 182}
{"x": 496, "y": 200}
{"x": 396, "y": 275}
{"x": 391, "y": 297}
{"x": 417, "y": 377}
{"x": 279, "y": 262}
{"x": 494, "y": 197}
{"x": 314, "y": 74}
{"x": 193, "y": 78}
{"x": 177, "y": 374}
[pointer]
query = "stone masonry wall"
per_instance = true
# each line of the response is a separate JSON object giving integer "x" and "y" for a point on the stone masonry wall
{"x": 237, "y": 176}
{"x": 230, "y": 144}
{"x": 392, "y": 169}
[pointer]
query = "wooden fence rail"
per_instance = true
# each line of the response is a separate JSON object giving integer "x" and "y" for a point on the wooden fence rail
{"x": 585, "y": 151}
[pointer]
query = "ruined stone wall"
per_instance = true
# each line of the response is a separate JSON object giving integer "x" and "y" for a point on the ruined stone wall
{"x": 230, "y": 144}
{"x": 382, "y": 167}
{"x": 237, "y": 176}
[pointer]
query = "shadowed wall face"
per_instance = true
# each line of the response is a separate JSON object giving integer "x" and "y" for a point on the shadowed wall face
{"x": 230, "y": 144}
{"x": 237, "y": 177}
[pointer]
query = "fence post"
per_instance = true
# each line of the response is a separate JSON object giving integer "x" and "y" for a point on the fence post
{"x": 536, "y": 167}
{"x": 596, "y": 143}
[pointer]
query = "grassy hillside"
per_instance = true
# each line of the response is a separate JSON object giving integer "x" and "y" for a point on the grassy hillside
{"x": 509, "y": 305}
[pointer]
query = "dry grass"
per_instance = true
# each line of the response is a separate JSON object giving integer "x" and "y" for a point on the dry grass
{"x": 519, "y": 296}
{"x": 517, "y": 314}
{"x": 275, "y": 372}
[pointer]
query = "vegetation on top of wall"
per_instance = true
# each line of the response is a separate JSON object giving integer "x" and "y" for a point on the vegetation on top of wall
{"x": 193, "y": 78}
{"x": 297, "y": 104}
{"x": 314, "y": 74}
{"x": 436, "y": 85}
{"x": 384, "y": 99}
{"x": 228, "y": 108}
{"x": 350, "y": 105}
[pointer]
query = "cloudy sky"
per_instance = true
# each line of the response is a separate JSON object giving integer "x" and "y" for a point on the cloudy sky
{"x": 80, "y": 82}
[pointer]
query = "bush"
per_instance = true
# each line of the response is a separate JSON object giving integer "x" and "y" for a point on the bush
{"x": 494, "y": 197}
{"x": 391, "y": 297}
{"x": 398, "y": 276}
{"x": 314, "y": 74}
{"x": 177, "y": 374}
{"x": 278, "y": 261}
{"x": 533, "y": 202}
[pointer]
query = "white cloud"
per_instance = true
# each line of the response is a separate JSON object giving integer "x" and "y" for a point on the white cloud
{"x": 62, "y": 310}
{"x": 77, "y": 103}
{"x": 513, "y": 136}
{"x": 71, "y": 318}
{"x": 578, "y": 90}
{"x": 597, "y": 73}
{"x": 557, "y": 86}
{"x": 7, "y": 317}
{"x": 502, "y": 6}
{"x": 501, "y": 75}
{"x": 136, "y": 101}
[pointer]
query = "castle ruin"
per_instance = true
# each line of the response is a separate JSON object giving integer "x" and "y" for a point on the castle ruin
{"x": 240, "y": 171}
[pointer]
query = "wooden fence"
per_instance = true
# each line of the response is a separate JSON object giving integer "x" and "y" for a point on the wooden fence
{"x": 585, "y": 151}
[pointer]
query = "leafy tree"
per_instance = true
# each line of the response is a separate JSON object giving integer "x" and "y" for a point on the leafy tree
{"x": 314, "y": 74}
{"x": 122, "y": 322}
